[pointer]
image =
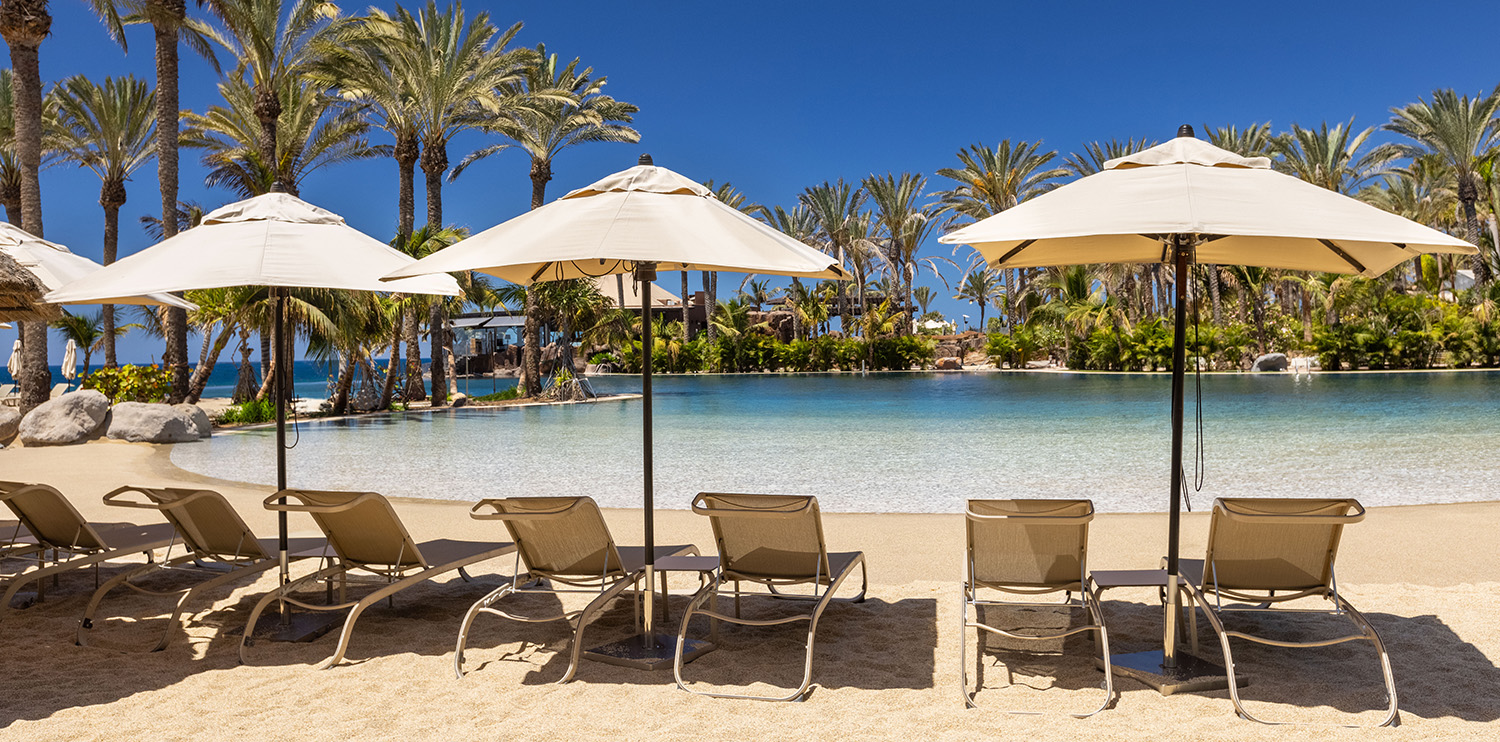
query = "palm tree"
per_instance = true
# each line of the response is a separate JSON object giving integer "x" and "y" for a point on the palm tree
{"x": 1091, "y": 160}
{"x": 108, "y": 129}
{"x": 906, "y": 224}
{"x": 86, "y": 331}
{"x": 24, "y": 24}
{"x": 170, "y": 26}
{"x": 315, "y": 130}
{"x": 1462, "y": 133}
{"x": 836, "y": 207}
{"x": 1254, "y": 140}
{"x": 221, "y": 314}
{"x": 993, "y": 180}
{"x": 731, "y": 197}
{"x": 800, "y": 225}
{"x": 565, "y": 107}
{"x": 981, "y": 286}
{"x": 1328, "y": 157}
{"x": 923, "y": 296}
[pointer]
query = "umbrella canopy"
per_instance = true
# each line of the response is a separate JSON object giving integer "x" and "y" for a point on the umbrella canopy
{"x": 1243, "y": 212}
{"x": 636, "y": 221}
{"x": 646, "y": 214}
{"x": 274, "y": 239}
{"x": 54, "y": 266}
{"x": 21, "y": 294}
{"x": 1183, "y": 202}
{"x": 14, "y": 364}
{"x": 70, "y": 360}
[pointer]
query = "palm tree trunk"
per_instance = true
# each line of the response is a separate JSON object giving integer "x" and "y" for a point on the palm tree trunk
{"x": 531, "y": 335}
{"x": 111, "y": 250}
{"x": 1307, "y": 330}
{"x": 406, "y": 153}
{"x": 165, "y": 30}
{"x": 1467, "y": 195}
{"x": 711, "y": 300}
{"x": 341, "y": 387}
{"x": 265, "y": 354}
{"x": 1214, "y": 294}
{"x": 434, "y": 163}
{"x": 24, "y": 26}
{"x": 267, "y": 111}
{"x": 411, "y": 326}
{"x": 210, "y": 358}
{"x": 388, "y": 387}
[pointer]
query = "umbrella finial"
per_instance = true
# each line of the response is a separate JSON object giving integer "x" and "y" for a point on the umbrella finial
{"x": 277, "y": 187}
{"x": 645, "y": 160}
{"x": 1186, "y": 130}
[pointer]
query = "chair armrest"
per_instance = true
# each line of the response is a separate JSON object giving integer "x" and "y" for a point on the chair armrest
{"x": 118, "y": 497}
{"x": 1238, "y": 511}
{"x": 699, "y": 508}
{"x": 497, "y": 513}
{"x": 272, "y": 504}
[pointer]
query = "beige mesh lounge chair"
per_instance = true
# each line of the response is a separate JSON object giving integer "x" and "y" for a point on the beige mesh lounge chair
{"x": 216, "y": 545}
{"x": 58, "y": 390}
{"x": 775, "y": 541}
{"x": 365, "y": 533}
{"x": 64, "y": 541}
{"x": 1030, "y": 547}
{"x": 1263, "y": 551}
{"x": 562, "y": 540}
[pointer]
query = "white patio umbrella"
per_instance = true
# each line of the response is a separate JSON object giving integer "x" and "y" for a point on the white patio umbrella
{"x": 1183, "y": 202}
{"x": 70, "y": 360}
{"x": 275, "y": 240}
{"x": 14, "y": 364}
{"x": 637, "y": 221}
{"x": 56, "y": 266}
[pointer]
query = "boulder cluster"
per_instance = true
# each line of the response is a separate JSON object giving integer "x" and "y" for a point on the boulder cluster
{"x": 86, "y": 415}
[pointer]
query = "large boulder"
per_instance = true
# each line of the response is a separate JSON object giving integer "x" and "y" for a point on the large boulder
{"x": 459, "y": 400}
{"x": 200, "y": 418}
{"x": 68, "y": 419}
{"x": 139, "y": 422}
{"x": 1270, "y": 362}
{"x": 950, "y": 363}
{"x": 10, "y": 423}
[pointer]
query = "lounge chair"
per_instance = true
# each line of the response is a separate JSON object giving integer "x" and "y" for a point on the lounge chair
{"x": 58, "y": 390}
{"x": 366, "y": 535}
{"x": 1264, "y": 551}
{"x": 775, "y": 541}
{"x": 216, "y": 546}
{"x": 562, "y": 540}
{"x": 1029, "y": 548}
{"x": 9, "y": 396}
{"x": 71, "y": 541}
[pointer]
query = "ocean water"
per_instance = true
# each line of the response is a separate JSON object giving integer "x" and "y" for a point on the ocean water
{"x": 920, "y": 442}
{"x": 312, "y": 379}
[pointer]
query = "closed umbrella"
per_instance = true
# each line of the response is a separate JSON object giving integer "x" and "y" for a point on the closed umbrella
{"x": 70, "y": 360}
{"x": 637, "y": 221}
{"x": 14, "y": 364}
{"x": 275, "y": 240}
{"x": 1184, "y": 202}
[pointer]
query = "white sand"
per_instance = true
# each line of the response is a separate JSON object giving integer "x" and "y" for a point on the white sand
{"x": 1426, "y": 576}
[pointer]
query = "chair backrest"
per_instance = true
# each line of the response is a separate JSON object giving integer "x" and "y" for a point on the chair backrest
{"x": 206, "y": 523}
{"x": 49, "y": 516}
{"x": 360, "y": 526}
{"x": 563, "y": 537}
{"x": 1266, "y": 543}
{"x": 772, "y": 537}
{"x": 1028, "y": 543}
{"x": 58, "y": 390}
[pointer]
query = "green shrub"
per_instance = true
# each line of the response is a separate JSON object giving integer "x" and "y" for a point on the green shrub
{"x": 599, "y": 358}
{"x": 131, "y": 383}
{"x": 254, "y": 411}
{"x": 500, "y": 396}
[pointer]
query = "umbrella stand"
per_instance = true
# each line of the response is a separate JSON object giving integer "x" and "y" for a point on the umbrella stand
{"x": 1169, "y": 670}
{"x": 286, "y": 625}
{"x": 647, "y": 650}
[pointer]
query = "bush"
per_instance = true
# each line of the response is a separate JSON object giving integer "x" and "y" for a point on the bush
{"x": 500, "y": 396}
{"x": 599, "y": 358}
{"x": 901, "y": 353}
{"x": 254, "y": 411}
{"x": 131, "y": 383}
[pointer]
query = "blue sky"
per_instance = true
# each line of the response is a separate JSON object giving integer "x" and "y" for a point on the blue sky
{"x": 777, "y": 96}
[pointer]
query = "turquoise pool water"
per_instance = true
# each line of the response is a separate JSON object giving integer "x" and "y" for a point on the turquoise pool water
{"x": 921, "y": 442}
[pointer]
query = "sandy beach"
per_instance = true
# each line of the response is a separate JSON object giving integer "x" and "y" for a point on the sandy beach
{"x": 1428, "y": 577}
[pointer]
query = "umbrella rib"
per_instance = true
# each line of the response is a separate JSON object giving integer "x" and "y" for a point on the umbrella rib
{"x": 1013, "y": 251}
{"x": 1339, "y": 251}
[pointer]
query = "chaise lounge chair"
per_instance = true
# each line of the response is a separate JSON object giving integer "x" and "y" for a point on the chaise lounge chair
{"x": 216, "y": 543}
{"x": 72, "y": 542}
{"x": 1030, "y": 547}
{"x": 1263, "y": 551}
{"x": 562, "y": 540}
{"x": 775, "y": 541}
{"x": 366, "y": 535}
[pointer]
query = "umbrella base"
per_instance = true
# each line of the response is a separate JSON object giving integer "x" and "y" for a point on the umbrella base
{"x": 296, "y": 627}
{"x": 1191, "y": 674}
{"x": 647, "y": 652}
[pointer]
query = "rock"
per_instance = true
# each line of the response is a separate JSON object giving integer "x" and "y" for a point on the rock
{"x": 67, "y": 419}
{"x": 365, "y": 400}
{"x": 1270, "y": 362}
{"x": 949, "y": 363}
{"x": 10, "y": 422}
{"x": 138, "y": 422}
{"x": 948, "y": 349}
{"x": 459, "y": 400}
{"x": 200, "y": 418}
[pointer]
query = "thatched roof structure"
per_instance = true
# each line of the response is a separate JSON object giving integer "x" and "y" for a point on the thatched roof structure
{"x": 21, "y": 293}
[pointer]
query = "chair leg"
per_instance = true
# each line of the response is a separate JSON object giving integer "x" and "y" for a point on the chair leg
{"x": 963, "y": 651}
{"x": 463, "y": 629}
{"x": 575, "y": 650}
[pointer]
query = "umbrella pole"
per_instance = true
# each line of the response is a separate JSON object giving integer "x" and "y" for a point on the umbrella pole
{"x": 1170, "y": 671}
{"x": 278, "y": 388}
{"x": 645, "y": 275}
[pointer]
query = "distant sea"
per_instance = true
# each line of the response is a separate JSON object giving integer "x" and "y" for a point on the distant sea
{"x": 311, "y": 378}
